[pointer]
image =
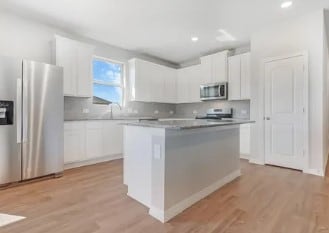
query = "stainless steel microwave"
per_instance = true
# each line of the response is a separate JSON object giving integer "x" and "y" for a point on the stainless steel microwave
{"x": 213, "y": 91}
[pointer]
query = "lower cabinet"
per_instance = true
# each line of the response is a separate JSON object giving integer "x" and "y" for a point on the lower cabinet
{"x": 74, "y": 142}
{"x": 244, "y": 141}
{"x": 87, "y": 142}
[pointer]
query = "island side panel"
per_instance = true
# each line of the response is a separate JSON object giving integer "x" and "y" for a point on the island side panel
{"x": 197, "y": 162}
{"x": 138, "y": 143}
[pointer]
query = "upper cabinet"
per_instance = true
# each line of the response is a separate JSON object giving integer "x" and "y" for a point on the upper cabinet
{"x": 76, "y": 59}
{"x": 239, "y": 77}
{"x": 189, "y": 80}
{"x": 214, "y": 68}
{"x": 150, "y": 82}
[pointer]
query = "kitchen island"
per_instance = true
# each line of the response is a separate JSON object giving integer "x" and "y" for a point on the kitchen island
{"x": 170, "y": 165}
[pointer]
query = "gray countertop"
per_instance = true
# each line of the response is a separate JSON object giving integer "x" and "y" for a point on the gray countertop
{"x": 121, "y": 118}
{"x": 187, "y": 124}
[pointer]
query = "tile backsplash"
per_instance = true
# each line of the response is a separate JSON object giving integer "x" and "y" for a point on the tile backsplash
{"x": 241, "y": 109}
{"x": 83, "y": 108}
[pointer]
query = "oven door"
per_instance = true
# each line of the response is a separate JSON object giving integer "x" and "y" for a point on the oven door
{"x": 213, "y": 91}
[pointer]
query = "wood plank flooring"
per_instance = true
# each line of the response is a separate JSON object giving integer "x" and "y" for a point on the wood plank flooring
{"x": 93, "y": 200}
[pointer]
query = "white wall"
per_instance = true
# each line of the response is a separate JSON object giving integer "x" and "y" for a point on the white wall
{"x": 26, "y": 38}
{"x": 290, "y": 37}
{"x": 22, "y": 37}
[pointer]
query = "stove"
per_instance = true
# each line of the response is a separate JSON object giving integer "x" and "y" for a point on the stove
{"x": 217, "y": 113}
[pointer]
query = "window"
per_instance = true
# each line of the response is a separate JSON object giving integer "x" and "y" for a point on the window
{"x": 108, "y": 82}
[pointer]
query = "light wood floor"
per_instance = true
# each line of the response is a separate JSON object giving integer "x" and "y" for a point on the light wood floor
{"x": 93, "y": 200}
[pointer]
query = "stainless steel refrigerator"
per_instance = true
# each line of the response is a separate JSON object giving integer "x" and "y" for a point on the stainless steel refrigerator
{"x": 31, "y": 120}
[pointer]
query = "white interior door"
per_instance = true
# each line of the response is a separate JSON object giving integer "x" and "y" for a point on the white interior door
{"x": 285, "y": 112}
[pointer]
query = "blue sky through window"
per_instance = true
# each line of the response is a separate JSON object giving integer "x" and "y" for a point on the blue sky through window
{"x": 107, "y": 80}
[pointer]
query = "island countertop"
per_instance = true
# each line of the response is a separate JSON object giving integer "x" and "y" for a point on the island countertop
{"x": 188, "y": 124}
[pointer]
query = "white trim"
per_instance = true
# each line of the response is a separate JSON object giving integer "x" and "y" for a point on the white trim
{"x": 166, "y": 215}
{"x": 315, "y": 172}
{"x": 303, "y": 54}
{"x": 256, "y": 161}
{"x": 92, "y": 161}
{"x": 244, "y": 156}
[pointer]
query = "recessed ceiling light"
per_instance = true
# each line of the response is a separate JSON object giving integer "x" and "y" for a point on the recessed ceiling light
{"x": 194, "y": 38}
{"x": 286, "y": 4}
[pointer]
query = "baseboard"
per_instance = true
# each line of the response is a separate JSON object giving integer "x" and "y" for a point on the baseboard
{"x": 315, "y": 172}
{"x": 166, "y": 215}
{"x": 244, "y": 156}
{"x": 92, "y": 161}
{"x": 256, "y": 161}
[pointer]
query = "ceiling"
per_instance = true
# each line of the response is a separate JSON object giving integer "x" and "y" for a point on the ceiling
{"x": 163, "y": 28}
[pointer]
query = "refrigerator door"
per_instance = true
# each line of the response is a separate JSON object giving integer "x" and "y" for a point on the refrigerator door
{"x": 10, "y": 120}
{"x": 43, "y": 120}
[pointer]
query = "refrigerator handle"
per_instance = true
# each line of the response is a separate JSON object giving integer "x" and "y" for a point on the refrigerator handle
{"x": 25, "y": 111}
{"x": 19, "y": 110}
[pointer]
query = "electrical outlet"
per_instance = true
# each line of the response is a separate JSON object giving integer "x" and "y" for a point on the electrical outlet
{"x": 195, "y": 112}
{"x": 171, "y": 112}
{"x": 156, "y": 112}
{"x": 135, "y": 111}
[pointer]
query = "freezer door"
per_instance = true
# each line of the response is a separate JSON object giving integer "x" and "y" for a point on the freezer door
{"x": 10, "y": 120}
{"x": 43, "y": 120}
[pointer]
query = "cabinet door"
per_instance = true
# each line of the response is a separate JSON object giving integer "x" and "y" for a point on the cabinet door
{"x": 112, "y": 138}
{"x": 74, "y": 142}
{"x": 183, "y": 85}
{"x": 194, "y": 84}
{"x": 245, "y": 140}
{"x": 84, "y": 66}
{"x": 141, "y": 79}
{"x": 219, "y": 67}
{"x": 157, "y": 75}
{"x": 206, "y": 67}
{"x": 170, "y": 80}
{"x": 94, "y": 139}
{"x": 245, "y": 76}
{"x": 234, "y": 82}
{"x": 66, "y": 56}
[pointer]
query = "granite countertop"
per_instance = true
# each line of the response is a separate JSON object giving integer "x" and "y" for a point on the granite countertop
{"x": 188, "y": 124}
{"x": 120, "y": 118}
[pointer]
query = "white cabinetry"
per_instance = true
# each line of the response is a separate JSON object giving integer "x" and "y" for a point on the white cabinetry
{"x": 74, "y": 142}
{"x": 189, "y": 80}
{"x": 151, "y": 82}
{"x": 88, "y": 142}
{"x": 239, "y": 77}
{"x": 214, "y": 68}
{"x": 94, "y": 139}
{"x": 245, "y": 141}
{"x": 245, "y": 76}
{"x": 76, "y": 59}
{"x": 112, "y": 137}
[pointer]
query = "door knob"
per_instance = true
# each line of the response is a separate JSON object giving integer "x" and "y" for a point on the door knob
{"x": 267, "y": 118}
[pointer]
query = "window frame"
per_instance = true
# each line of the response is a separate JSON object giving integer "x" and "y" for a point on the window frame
{"x": 111, "y": 84}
